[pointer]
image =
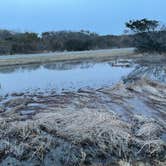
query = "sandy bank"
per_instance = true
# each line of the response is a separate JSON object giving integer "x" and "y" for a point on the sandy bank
{"x": 63, "y": 56}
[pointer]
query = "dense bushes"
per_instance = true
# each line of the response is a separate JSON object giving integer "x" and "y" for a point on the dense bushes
{"x": 11, "y": 42}
{"x": 146, "y": 37}
{"x": 151, "y": 42}
{"x": 149, "y": 37}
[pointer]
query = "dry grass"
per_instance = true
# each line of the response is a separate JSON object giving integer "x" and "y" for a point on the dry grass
{"x": 89, "y": 136}
{"x": 65, "y": 56}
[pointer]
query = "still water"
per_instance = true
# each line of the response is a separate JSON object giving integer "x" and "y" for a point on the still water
{"x": 62, "y": 76}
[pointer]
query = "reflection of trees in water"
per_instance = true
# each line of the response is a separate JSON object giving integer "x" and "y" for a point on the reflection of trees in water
{"x": 50, "y": 66}
{"x": 87, "y": 64}
{"x": 68, "y": 65}
{"x": 30, "y": 67}
{"x": 154, "y": 72}
{"x": 12, "y": 69}
{"x": 7, "y": 69}
{"x": 64, "y": 66}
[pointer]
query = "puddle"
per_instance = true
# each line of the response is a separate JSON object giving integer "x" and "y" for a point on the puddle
{"x": 69, "y": 76}
{"x": 163, "y": 137}
{"x": 62, "y": 76}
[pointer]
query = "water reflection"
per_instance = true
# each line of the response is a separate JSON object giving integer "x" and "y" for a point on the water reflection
{"x": 64, "y": 65}
{"x": 69, "y": 66}
{"x": 75, "y": 75}
{"x": 50, "y": 66}
{"x": 59, "y": 76}
{"x": 12, "y": 69}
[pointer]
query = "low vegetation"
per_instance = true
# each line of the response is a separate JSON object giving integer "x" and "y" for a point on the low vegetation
{"x": 83, "y": 128}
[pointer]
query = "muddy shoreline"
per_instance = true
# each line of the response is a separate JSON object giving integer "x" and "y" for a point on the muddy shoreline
{"x": 119, "y": 125}
{"x": 86, "y": 127}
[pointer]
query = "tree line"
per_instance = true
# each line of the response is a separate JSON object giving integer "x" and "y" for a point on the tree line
{"x": 149, "y": 35}
{"x": 15, "y": 42}
{"x": 145, "y": 35}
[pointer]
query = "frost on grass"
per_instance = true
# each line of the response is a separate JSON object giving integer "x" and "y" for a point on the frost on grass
{"x": 79, "y": 134}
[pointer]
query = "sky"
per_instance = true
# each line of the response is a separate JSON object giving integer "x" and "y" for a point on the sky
{"x": 101, "y": 16}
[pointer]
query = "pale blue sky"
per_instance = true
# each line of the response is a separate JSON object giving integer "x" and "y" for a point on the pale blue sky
{"x": 101, "y": 16}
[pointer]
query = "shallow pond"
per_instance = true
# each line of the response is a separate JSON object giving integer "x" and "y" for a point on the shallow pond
{"x": 71, "y": 76}
{"x": 62, "y": 76}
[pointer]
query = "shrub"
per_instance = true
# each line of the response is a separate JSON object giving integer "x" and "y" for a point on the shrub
{"x": 148, "y": 36}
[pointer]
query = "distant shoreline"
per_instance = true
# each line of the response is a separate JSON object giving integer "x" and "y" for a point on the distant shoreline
{"x": 9, "y": 60}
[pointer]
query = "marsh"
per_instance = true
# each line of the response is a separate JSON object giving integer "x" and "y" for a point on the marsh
{"x": 66, "y": 107}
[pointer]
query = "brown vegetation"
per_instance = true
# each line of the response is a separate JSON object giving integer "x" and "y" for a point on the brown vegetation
{"x": 84, "y": 128}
